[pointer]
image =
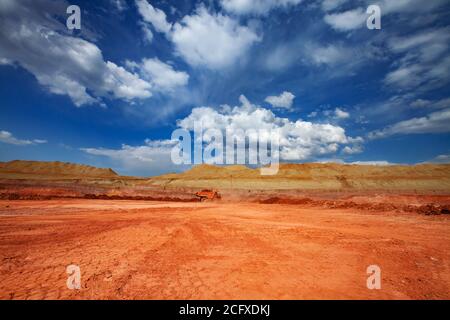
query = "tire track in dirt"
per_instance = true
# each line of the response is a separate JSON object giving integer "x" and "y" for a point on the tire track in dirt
{"x": 221, "y": 251}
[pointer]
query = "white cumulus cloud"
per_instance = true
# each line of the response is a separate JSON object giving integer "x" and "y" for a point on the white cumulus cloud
{"x": 161, "y": 75}
{"x": 32, "y": 36}
{"x": 348, "y": 20}
{"x": 299, "y": 140}
{"x": 154, "y": 16}
{"x": 341, "y": 114}
{"x": 283, "y": 101}
{"x": 212, "y": 40}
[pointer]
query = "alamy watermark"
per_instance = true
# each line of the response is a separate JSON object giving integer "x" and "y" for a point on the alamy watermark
{"x": 374, "y": 279}
{"x": 74, "y": 279}
{"x": 74, "y": 20}
{"x": 374, "y": 20}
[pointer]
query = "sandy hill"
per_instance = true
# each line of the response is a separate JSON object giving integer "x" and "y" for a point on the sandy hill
{"x": 315, "y": 176}
{"x": 307, "y": 177}
{"x": 33, "y": 169}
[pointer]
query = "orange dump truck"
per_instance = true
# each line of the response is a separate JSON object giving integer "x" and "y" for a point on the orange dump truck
{"x": 205, "y": 195}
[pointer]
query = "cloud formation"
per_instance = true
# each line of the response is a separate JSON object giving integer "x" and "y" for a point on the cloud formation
{"x": 348, "y": 20}
{"x": 203, "y": 39}
{"x": 299, "y": 140}
{"x": 443, "y": 158}
{"x": 256, "y": 7}
{"x": 153, "y": 156}
{"x": 425, "y": 61}
{"x": 32, "y": 36}
{"x": 162, "y": 76}
{"x": 8, "y": 137}
{"x": 283, "y": 101}
{"x": 435, "y": 104}
{"x": 435, "y": 122}
{"x": 154, "y": 16}
{"x": 341, "y": 114}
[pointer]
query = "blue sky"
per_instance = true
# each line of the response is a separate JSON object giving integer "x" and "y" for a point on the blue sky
{"x": 112, "y": 93}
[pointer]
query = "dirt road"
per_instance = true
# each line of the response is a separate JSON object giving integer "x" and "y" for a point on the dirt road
{"x": 159, "y": 250}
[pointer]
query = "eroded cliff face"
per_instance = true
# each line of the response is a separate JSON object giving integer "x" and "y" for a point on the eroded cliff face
{"x": 41, "y": 169}
{"x": 314, "y": 176}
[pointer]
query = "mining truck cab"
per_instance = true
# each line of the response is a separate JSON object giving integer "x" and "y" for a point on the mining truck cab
{"x": 208, "y": 195}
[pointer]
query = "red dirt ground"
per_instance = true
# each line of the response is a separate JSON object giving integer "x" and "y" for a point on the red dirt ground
{"x": 172, "y": 250}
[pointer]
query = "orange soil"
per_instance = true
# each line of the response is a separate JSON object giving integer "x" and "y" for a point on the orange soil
{"x": 171, "y": 250}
